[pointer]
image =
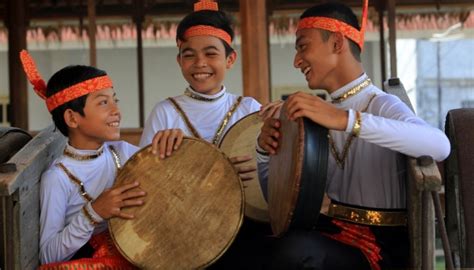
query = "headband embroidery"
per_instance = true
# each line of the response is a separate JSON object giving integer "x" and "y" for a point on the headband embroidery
{"x": 206, "y": 30}
{"x": 335, "y": 25}
{"x": 65, "y": 95}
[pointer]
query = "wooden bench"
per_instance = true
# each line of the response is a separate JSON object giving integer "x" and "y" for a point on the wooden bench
{"x": 423, "y": 182}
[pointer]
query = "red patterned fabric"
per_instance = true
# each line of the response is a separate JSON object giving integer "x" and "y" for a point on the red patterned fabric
{"x": 206, "y": 30}
{"x": 361, "y": 237}
{"x": 78, "y": 90}
{"x": 206, "y": 5}
{"x": 106, "y": 256}
{"x": 32, "y": 74}
{"x": 65, "y": 95}
{"x": 335, "y": 25}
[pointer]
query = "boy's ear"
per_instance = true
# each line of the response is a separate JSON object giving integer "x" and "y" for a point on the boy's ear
{"x": 71, "y": 118}
{"x": 231, "y": 59}
{"x": 178, "y": 59}
{"x": 338, "y": 42}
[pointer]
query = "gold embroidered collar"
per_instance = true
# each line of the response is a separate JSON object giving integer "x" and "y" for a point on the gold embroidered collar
{"x": 193, "y": 95}
{"x": 353, "y": 91}
{"x": 71, "y": 154}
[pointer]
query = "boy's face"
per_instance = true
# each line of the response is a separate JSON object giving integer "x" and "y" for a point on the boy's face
{"x": 203, "y": 63}
{"x": 100, "y": 123}
{"x": 315, "y": 58}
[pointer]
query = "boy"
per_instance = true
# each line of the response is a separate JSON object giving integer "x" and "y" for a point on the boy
{"x": 76, "y": 195}
{"x": 206, "y": 110}
{"x": 368, "y": 128}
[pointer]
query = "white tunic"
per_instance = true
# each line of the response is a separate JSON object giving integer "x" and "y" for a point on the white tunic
{"x": 373, "y": 172}
{"x": 64, "y": 228}
{"x": 205, "y": 116}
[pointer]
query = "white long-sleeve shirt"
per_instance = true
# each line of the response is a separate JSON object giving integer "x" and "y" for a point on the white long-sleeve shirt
{"x": 373, "y": 172}
{"x": 205, "y": 116}
{"x": 64, "y": 228}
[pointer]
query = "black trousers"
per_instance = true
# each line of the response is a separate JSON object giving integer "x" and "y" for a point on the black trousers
{"x": 255, "y": 248}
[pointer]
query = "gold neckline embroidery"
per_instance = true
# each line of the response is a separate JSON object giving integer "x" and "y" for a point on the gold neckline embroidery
{"x": 76, "y": 156}
{"x": 353, "y": 91}
{"x": 201, "y": 98}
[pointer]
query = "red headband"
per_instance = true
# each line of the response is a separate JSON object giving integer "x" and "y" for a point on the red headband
{"x": 65, "y": 95}
{"x": 206, "y": 30}
{"x": 335, "y": 25}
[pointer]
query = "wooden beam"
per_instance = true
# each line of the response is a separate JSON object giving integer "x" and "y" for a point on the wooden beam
{"x": 392, "y": 37}
{"x": 92, "y": 29}
{"x": 255, "y": 49}
{"x": 16, "y": 23}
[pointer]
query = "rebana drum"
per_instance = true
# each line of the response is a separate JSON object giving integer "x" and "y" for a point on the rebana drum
{"x": 192, "y": 212}
{"x": 297, "y": 174}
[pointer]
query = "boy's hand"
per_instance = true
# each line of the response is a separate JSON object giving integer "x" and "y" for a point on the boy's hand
{"x": 243, "y": 169}
{"x": 268, "y": 138}
{"x": 318, "y": 110}
{"x": 166, "y": 141}
{"x": 271, "y": 110}
{"x": 110, "y": 201}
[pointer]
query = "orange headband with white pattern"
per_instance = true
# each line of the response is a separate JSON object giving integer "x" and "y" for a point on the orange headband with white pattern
{"x": 206, "y": 30}
{"x": 335, "y": 25}
{"x": 65, "y": 95}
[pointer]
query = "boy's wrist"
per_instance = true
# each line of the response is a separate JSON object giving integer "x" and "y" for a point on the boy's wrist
{"x": 92, "y": 213}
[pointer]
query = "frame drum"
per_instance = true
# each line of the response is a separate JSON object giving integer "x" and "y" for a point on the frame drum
{"x": 240, "y": 140}
{"x": 192, "y": 212}
{"x": 297, "y": 175}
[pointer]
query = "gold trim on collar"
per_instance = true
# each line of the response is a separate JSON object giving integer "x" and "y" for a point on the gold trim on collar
{"x": 76, "y": 156}
{"x": 222, "y": 125}
{"x": 201, "y": 98}
{"x": 353, "y": 91}
{"x": 340, "y": 157}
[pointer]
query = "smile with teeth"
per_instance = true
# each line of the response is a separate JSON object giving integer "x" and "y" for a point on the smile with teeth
{"x": 201, "y": 76}
{"x": 114, "y": 124}
{"x": 306, "y": 70}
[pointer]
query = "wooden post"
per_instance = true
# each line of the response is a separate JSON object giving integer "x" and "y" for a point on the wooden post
{"x": 139, "y": 14}
{"x": 16, "y": 21}
{"x": 92, "y": 30}
{"x": 255, "y": 49}
{"x": 392, "y": 36}
{"x": 383, "y": 55}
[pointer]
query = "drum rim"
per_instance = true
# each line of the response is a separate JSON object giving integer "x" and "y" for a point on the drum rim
{"x": 241, "y": 215}
{"x": 261, "y": 212}
{"x": 238, "y": 121}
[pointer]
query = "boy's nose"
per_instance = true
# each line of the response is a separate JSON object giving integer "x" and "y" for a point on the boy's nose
{"x": 297, "y": 61}
{"x": 201, "y": 62}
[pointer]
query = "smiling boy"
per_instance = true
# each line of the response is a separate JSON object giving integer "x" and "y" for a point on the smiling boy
{"x": 76, "y": 194}
{"x": 368, "y": 129}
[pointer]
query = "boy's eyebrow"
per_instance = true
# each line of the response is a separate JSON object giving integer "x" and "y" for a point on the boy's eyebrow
{"x": 211, "y": 47}
{"x": 187, "y": 50}
{"x": 104, "y": 95}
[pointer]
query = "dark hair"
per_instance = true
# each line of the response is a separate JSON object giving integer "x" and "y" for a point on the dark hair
{"x": 339, "y": 12}
{"x": 63, "y": 79}
{"x": 218, "y": 19}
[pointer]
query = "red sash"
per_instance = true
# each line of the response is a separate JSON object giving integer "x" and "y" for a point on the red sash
{"x": 106, "y": 256}
{"x": 361, "y": 237}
